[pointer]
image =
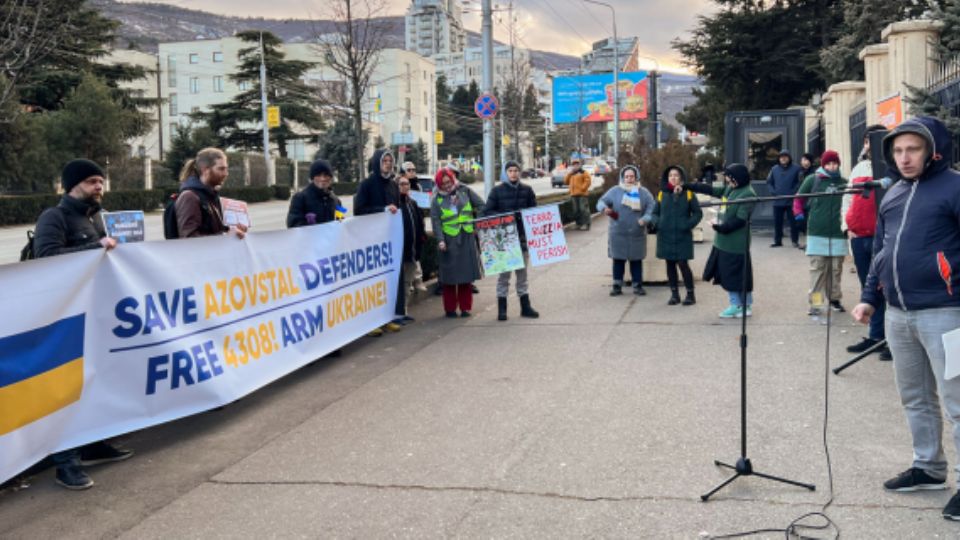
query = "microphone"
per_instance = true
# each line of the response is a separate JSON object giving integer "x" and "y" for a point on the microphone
{"x": 867, "y": 187}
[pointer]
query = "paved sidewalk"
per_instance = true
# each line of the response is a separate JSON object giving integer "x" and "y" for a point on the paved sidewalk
{"x": 600, "y": 419}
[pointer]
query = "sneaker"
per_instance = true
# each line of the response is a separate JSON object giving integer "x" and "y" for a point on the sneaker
{"x": 885, "y": 354}
{"x": 392, "y": 327}
{"x": 408, "y": 319}
{"x": 616, "y": 290}
{"x": 376, "y": 332}
{"x": 451, "y": 315}
{"x": 474, "y": 289}
{"x": 400, "y": 321}
{"x": 101, "y": 452}
{"x": 739, "y": 313}
{"x": 73, "y": 477}
{"x": 776, "y": 245}
{"x": 952, "y": 509}
{"x": 837, "y": 306}
{"x": 797, "y": 245}
{"x": 814, "y": 312}
{"x": 639, "y": 291}
{"x": 731, "y": 312}
{"x": 864, "y": 344}
{"x": 464, "y": 314}
{"x": 914, "y": 479}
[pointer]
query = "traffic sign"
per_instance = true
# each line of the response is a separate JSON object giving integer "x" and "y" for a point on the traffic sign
{"x": 486, "y": 106}
{"x": 273, "y": 116}
{"x": 505, "y": 140}
{"x": 438, "y": 137}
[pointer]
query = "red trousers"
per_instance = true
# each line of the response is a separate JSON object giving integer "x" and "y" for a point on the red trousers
{"x": 454, "y": 294}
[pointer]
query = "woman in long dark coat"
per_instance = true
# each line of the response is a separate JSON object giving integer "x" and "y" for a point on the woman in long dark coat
{"x": 452, "y": 212}
{"x": 676, "y": 215}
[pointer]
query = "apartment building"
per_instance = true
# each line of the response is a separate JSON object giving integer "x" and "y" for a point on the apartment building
{"x": 435, "y": 27}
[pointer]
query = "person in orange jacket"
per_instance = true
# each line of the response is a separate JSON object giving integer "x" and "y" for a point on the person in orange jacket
{"x": 579, "y": 182}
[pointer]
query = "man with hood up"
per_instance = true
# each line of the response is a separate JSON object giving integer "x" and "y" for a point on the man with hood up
{"x": 377, "y": 193}
{"x": 511, "y": 196}
{"x": 916, "y": 247}
{"x": 784, "y": 179}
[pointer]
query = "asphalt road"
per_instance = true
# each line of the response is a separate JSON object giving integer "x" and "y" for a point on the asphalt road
{"x": 600, "y": 419}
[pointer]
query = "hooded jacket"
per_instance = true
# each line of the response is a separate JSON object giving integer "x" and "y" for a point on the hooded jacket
{"x": 73, "y": 225}
{"x": 784, "y": 180}
{"x": 732, "y": 218}
{"x": 675, "y": 217}
{"x": 376, "y": 192}
{"x": 312, "y": 200}
{"x": 917, "y": 243}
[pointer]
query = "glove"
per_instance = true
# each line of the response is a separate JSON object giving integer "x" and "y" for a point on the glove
{"x": 311, "y": 218}
{"x": 798, "y": 217}
{"x": 717, "y": 227}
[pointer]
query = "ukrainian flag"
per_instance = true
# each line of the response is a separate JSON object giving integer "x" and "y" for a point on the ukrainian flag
{"x": 41, "y": 372}
{"x": 340, "y": 212}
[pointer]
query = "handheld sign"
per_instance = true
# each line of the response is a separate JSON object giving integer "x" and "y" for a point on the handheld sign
{"x": 235, "y": 212}
{"x": 546, "y": 242}
{"x": 125, "y": 226}
{"x": 500, "y": 249}
{"x": 421, "y": 198}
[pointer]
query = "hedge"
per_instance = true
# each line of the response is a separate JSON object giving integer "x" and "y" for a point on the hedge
{"x": 345, "y": 188}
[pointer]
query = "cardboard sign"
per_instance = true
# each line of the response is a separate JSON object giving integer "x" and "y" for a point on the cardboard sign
{"x": 125, "y": 227}
{"x": 421, "y": 198}
{"x": 500, "y": 249}
{"x": 235, "y": 212}
{"x": 546, "y": 242}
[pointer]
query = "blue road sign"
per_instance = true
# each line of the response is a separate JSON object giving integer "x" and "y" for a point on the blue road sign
{"x": 486, "y": 106}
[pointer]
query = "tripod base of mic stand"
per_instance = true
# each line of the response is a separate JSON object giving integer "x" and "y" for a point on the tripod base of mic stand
{"x": 745, "y": 468}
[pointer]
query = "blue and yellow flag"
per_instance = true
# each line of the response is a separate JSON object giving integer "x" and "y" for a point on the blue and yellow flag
{"x": 41, "y": 372}
{"x": 340, "y": 212}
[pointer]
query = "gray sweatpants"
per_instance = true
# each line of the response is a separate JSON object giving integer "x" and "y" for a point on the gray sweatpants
{"x": 503, "y": 280}
{"x": 914, "y": 338}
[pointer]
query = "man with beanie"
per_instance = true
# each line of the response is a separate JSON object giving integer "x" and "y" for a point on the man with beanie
{"x": 916, "y": 247}
{"x": 579, "y": 182}
{"x": 71, "y": 226}
{"x": 860, "y": 215}
{"x": 315, "y": 203}
{"x": 826, "y": 239}
{"x": 510, "y": 197}
{"x": 784, "y": 179}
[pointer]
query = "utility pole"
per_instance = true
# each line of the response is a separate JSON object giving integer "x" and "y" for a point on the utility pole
{"x": 616, "y": 81}
{"x": 271, "y": 178}
{"x": 546, "y": 146}
{"x": 487, "y": 86}
{"x": 160, "y": 110}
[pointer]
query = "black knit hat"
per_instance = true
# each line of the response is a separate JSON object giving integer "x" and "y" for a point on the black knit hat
{"x": 77, "y": 171}
{"x": 319, "y": 167}
{"x": 739, "y": 173}
{"x": 510, "y": 163}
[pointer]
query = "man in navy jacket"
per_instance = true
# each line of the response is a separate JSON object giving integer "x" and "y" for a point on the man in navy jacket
{"x": 917, "y": 244}
{"x": 784, "y": 179}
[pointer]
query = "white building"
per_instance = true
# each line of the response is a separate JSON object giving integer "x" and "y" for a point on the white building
{"x": 435, "y": 27}
{"x": 463, "y": 67}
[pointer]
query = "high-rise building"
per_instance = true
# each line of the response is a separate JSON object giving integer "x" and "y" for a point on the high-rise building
{"x": 600, "y": 57}
{"x": 435, "y": 27}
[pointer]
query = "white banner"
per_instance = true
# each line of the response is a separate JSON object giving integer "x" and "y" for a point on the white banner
{"x": 546, "y": 242}
{"x": 96, "y": 344}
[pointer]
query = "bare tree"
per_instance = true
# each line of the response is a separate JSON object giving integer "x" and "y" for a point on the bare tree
{"x": 25, "y": 38}
{"x": 353, "y": 51}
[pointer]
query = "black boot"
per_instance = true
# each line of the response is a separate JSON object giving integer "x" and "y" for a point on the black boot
{"x": 525, "y": 309}
{"x": 501, "y": 308}
{"x": 690, "y": 299}
{"x": 616, "y": 290}
{"x": 674, "y": 297}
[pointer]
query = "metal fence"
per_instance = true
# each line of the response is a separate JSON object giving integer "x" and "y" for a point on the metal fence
{"x": 815, "y": 139}
{"x": 858, "y": 128}
{"x": 944, "y": 84}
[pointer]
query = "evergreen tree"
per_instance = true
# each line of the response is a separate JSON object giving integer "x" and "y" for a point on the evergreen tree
{"x": 185, "y": 142}
{"x": 238, "y": 123}
{"x": 336, "y": 146}
{"x": 921, "y": 101}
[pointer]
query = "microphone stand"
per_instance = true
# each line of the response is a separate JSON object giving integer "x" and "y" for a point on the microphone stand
{"x": 743, "y": 466}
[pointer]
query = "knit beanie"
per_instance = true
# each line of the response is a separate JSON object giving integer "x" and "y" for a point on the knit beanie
{"x": 739, "y": 173}
{"x": 77, "y": 171}
{"x": 510, "y": 163}
{"x": 320, "y": 167}
{"x": 830, "y": 156}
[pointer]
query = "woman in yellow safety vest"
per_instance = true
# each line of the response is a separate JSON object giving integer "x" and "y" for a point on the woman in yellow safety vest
{"x": 452, "y": 212}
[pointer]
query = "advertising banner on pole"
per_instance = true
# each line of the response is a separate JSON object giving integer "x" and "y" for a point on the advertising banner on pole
{"x": 500, "y": 248}
{"x": 890, "y": 111}
{"x": 105, "y": 343}
{"x": 546, "y": 242}
{"x": 589, "y": 98}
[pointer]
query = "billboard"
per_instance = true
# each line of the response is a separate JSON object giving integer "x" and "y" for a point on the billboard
{"x": 589, "y": 98}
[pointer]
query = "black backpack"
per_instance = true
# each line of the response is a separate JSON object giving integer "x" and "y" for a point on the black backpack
{"x": 171, "y": 230}
{"x": 29, "y": 252}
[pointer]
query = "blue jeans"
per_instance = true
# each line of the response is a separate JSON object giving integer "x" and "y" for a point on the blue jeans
{"x": 735, "y": 299}
{"x": 862, "y": 248}
{"x": 636, "y": 271}
{"x": 919, "y": 361}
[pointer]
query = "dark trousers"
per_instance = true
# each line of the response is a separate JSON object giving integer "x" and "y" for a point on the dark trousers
{"x": 684, "y": 270}
{"x": 862, "y": 248}
{"x": 461, "y": 294}
{"x": 636, "y": 271}
{"x": 401, "y": 308}
{"x": 778, "y": 213}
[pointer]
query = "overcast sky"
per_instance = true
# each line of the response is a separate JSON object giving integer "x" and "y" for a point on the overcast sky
{"x": 567, "y": 26}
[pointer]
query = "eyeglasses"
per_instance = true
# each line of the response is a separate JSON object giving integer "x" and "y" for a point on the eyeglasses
{"x": 411, "y": 170}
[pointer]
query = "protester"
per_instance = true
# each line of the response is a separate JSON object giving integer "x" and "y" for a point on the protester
{"x": 580, "y": 183}
{"x": 315, "y": 203}
{"x": 807, "y": 167}
{"x": 71, "y": 226}
{"x": 414, "y": 238}
{"x": 452, "y": 212}
{"x": 784, "y": 179}
{"x": 378, "y": 193}
{"x": 917, "y": 243}
{"x": 826, "y": 240}
{"x": 510, "y": 197}
{"x": 861, "y": 220}
{"x": 675, "y": 217}
{"x": 409, "y": 171}
{"x": 198, "y": 210}
{"x": 708, "y": 174}
{"x": 728, "y": 261}
{"x": 630, "y": 208}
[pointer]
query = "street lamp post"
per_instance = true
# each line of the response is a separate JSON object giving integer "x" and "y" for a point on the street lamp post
{"x": 616, "y": 81}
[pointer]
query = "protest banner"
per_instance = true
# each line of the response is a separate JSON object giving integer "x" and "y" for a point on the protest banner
{"x": 500, "y": 248}
{"x": 235, "y": 212}
{"x": 546, "y": 242}
{"x": 421, "y": 198}
{"x": 125, "y": 227}
{"x": 107, "y": 342}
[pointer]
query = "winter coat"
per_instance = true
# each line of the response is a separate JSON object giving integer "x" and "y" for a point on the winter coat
{"x": 460, "y": 263}
{"x": 579, "y": 183}
{"x": 783, "y": 181}
{"x": 825, "y": 231}
{"x": 376, "y": 192}
{"x": 195, "y": 217}
{"x": 861, "y": 216}
{"x": 627, "y": 239}
{"x": 414, "y": 230}
{"x": 917, "y": 242}
{"x": 675, "y": 217}
{"x": 732, "y": 237}
{"x": 73, "y": 225}
{"x": 312, "y": 200}
{"x": 507, "y": 198}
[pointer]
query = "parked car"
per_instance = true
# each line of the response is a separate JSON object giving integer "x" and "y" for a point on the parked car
{"x": 533, "y": 173}
{"x": 601, "y": 168}
{"x": 427, "y": 185}
{"x": 556, "y": 178}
